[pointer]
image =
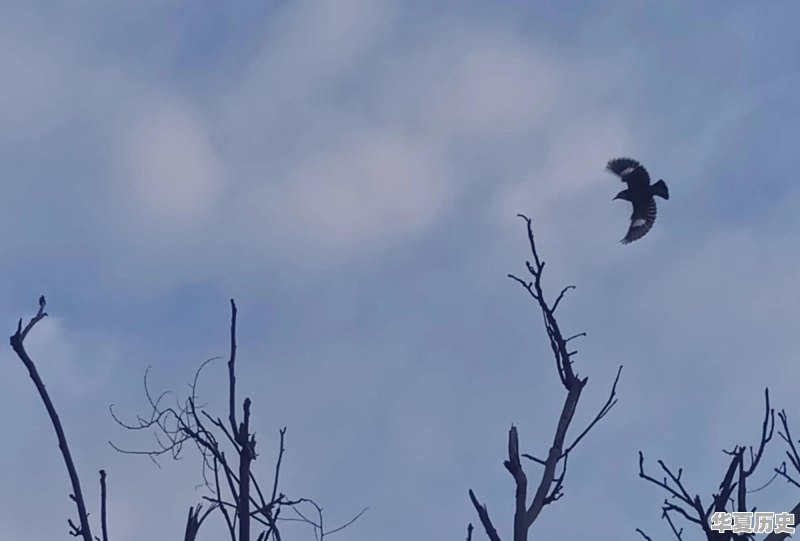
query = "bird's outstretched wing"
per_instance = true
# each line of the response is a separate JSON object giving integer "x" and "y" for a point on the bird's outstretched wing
{"x": 629, "y": 171}
{"x": 642, "y": 220}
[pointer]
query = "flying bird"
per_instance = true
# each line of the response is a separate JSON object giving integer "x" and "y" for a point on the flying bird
{"x": 640, "y": 193}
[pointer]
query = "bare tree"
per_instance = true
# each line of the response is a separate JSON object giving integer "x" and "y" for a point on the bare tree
{"x": 732, "y": 494}
{"x": 83, "y": 528}
{"x": 554, "y": 465}
{"x": 233, "y": 488}
{"x": 782, "y": 470}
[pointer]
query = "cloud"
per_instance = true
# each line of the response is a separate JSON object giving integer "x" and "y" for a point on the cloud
{"x": 351, "y": 175}
{"x": 367, "y": 190}
{"x": 573, "y": 164}
{"x": 489, "y": 84}
{"x": 171, "y": 168}
{"x": 336, "y": 176}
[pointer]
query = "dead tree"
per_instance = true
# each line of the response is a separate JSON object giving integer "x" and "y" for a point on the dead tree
{"x": 554, "y": 465}
{"x": 782, "y": 470}
{"x": 732, "y": 494}
{"x": 83, "y": 528}
{"x": 234, "y": 490}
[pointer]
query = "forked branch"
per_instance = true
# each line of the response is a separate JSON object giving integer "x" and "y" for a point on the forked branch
{"x": 732, "y": 495}
{"x": 228, "y": 453}
{"x": 82, "y": 529}
{"x": 551, "y": 483}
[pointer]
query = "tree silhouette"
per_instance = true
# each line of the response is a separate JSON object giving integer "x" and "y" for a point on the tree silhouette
{"x": 551, "y": 481}
{"x": 83, "y": 528}
{"x": 229, "y": 482}
{"x": 233, "y": 487}
{"x": 732, "y": 494}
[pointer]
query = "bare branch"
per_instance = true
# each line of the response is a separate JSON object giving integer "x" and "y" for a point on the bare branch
{"x": 103, "y": 522}
{"x": 246, "y": 455}
{"x": 732, "y": 495}
{"x": 318, "y": 525}
{"x": 647, "y": 537}
{"x": 40, "y": 315}
{"x": 483, "y": 514}
{"x": 278, "y": 464}
{"x": 612, "y": 400}
{"x": 17, "y": 339}
{"x": 551, "y": 483}
{"x": 348, "y": 523}
{"x": 232, "y": 373}
{"x": 194, "y": 521}
{"x": 534, "y": 459}
{"x": 767, "y": 430}
{"x": 678, "y": 533}
{"x": 514, "y": 467}
{"x": 231, "y": 482}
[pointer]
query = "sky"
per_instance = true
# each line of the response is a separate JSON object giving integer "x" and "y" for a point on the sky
{"x": 350, "y": 172}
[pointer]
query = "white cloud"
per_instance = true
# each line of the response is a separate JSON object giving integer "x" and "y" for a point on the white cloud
{"x": 342, "y": 138}
{"x": 170, "y": 163}
{"x": 320, "y": 39}
{"x": 356, "y": 175}
{"x": 490, "y": 85}
{"x": 367, "y": 190}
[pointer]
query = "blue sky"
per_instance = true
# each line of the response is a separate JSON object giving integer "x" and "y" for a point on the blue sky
{"x": 350, "y": 172}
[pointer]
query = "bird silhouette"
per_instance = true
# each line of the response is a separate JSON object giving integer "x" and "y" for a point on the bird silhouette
{"x": 640, "y": 194}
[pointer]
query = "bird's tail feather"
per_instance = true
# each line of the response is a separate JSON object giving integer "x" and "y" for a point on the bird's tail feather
{"x": 660, "y": 189}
